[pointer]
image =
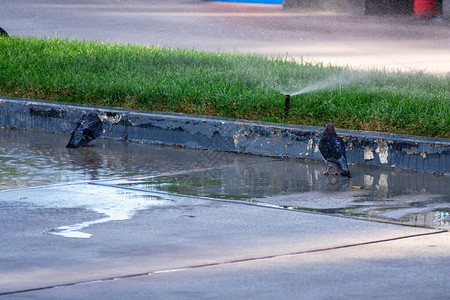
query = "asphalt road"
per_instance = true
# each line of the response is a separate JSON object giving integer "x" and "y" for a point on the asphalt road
{"x": 391, "y": 42}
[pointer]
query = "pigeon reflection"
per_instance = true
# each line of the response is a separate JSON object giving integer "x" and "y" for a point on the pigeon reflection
{"x": 337, "y": 184}
{"x": 89, "y": 160}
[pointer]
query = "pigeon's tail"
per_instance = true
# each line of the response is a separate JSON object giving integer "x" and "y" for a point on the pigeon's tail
{"x": 343, "y": 168}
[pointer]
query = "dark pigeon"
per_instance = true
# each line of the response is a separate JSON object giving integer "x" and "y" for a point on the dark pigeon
{"x": 3, "y": 33}
{"x": 88, "y": 128}
{"x": 332, "y": 149}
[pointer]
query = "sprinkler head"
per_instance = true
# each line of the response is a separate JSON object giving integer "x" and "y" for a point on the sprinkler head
{"x": 286, "y": 105}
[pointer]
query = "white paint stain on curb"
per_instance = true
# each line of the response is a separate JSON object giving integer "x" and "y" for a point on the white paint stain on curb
{"x": 382, "y": 150}
{"x": 116, "y": 119}
{"x": 368, "y": 153}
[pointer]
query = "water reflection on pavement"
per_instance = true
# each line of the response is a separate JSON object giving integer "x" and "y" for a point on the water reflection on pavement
{"x": 30, "y": 159}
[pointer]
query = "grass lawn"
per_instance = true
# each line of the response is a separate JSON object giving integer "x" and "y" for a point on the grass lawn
{"x": 223, "y": 84}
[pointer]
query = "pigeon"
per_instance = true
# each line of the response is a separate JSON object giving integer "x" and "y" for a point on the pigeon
{"x": 332, "y": 149}
{"x": 3, "y": 33}
{"x": 88, "y": 128}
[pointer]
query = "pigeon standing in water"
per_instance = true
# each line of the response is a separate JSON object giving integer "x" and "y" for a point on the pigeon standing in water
{"x": 88, "y": 128}
{"x": 332, "y": 149}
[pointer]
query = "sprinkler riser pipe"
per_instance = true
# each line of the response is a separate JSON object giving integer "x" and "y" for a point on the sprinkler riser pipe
{"x": 286, "y": 105}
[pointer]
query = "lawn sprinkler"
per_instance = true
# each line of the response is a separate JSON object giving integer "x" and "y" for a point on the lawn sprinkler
{"x": 286, "y": 105}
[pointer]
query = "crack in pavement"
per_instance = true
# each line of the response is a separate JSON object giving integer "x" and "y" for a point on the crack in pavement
{"x": 220, "y": 263}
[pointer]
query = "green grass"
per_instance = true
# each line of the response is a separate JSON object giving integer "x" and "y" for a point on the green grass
{"x": 223, "y": 84}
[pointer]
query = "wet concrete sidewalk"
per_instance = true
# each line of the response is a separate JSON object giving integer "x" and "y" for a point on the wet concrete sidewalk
{"x": 128, "y": 220}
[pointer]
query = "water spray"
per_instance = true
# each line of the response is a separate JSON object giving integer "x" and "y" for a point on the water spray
{"x": 339, "y": 79}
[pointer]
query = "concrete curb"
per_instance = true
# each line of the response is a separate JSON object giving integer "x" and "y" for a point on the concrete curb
{"x": 366, "y": 148}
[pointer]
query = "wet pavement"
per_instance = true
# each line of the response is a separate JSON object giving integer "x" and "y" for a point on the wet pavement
{"x": 123, "y": 219}
{"x": 128, "y": 220}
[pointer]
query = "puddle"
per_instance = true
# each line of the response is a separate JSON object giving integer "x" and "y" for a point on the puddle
{"x": 29, "y": 158}
{"x": 32, "y": 158}
{"x": 394, "y": 196}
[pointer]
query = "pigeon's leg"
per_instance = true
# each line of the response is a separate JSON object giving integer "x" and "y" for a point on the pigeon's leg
{"x": 88, "y": 145}
{"x": 327, "y": 172}
{"x": 335, "y": 173}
